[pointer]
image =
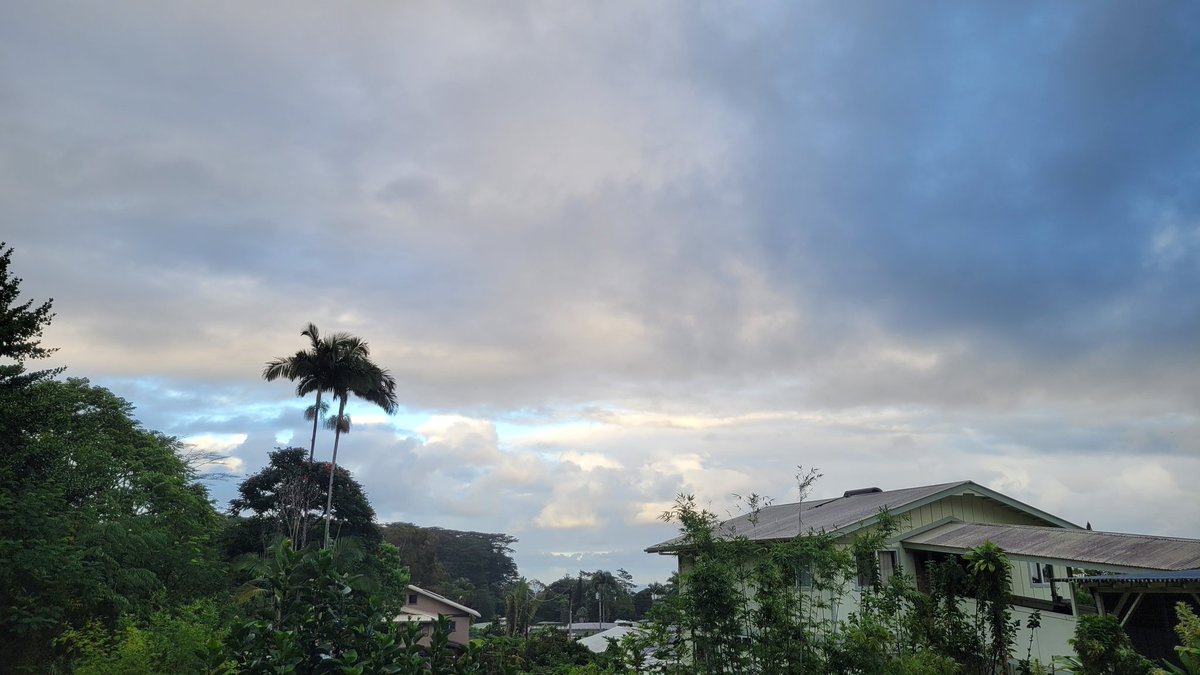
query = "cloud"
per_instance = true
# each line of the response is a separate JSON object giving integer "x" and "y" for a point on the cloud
{"x": 589, "y": 461}
{"x": 615, "y": 253}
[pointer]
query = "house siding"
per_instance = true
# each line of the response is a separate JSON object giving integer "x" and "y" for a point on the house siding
{"x": 1022, "y": 583}
{"x": 967, "y": 508}
{"x": 462, "y": 622}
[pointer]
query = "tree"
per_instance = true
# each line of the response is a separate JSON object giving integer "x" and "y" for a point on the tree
{"x": 21, "y": 327}
{"x": 418, "y": 550}
{"x": 520, "y": 606}
{"x": 339, "y": 364}
{"x": 559, "y": 602}
{"x": 313, "y": 372}
{"x": 991, "y": 577}
{"x": 610, "y": 595}
{"x": 102, "y": 518}
{"x": 1104, "y": 648}
{"x": 474, "y": 568}
{"x": 316, "y": 611}
{"x": 353, "y": 372}
{"x": 287, "y": 492}
{"x": 644, "y": 599}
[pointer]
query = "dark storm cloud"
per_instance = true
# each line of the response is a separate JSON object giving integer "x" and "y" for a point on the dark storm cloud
{"x": 998, "y": 174}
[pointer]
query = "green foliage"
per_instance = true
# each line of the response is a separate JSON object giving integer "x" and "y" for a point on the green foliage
{"x": 473, "y": 568}
{"x": 102, "y": 518}
{"x": 418, "y": 549}
{"x": 581, "y": 598}
{"x": 338, "y": 364}
{"x": 352, "y": 373}
{"x": 175, "y": 641}
{"x": 310, "y": 613}
{"x": 991, "y": 582}
{"x": 21, "y": 327}
{"x": 290, "y": 491}
{"x": 1188, "y": 630}
{"x": 710, "y": 608}
{"x": 938, "y": 620}
{"x": 520, "y": 604}
{"x": 754, "y": 607}
{"x": 644, "y": 599}
{"x": 392, "y": 578}
{"x": 1103, "y": 648}
{"x": 548, "y": 650}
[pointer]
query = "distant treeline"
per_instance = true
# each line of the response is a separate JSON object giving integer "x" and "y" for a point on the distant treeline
{"x": 472, "y": 568}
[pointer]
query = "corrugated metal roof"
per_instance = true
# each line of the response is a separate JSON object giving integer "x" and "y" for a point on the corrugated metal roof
{"x": 1081, "y": 546}
{"x": 1177, "y": 576}
{"x": 783, "y": 521}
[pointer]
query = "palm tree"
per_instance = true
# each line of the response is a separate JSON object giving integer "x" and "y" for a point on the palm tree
{"x": 520, "y": 605}
{"x": 313, "y": 372}
{"x": 353, "y": 372}
{"x": 313, "y": 369}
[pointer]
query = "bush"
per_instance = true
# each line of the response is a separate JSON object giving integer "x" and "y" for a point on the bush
{"x": 178, "y": 641}
{"x": 1104, "y": 648}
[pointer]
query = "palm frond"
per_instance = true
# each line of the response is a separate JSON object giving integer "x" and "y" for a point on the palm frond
{"x": 338, "y": 423}
{"x": 312, "y": 411}
{"x": 310, "y": 331}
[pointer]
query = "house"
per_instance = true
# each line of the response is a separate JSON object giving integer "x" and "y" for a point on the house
{"x": 578, "y": 629}
{"x": 948, "y": 519}
{"x": 598, "y": 642}
{"x": 425, "y": 607}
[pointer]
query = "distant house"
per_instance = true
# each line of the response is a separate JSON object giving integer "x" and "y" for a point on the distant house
{"x": 579, "y": 629}
{"x": 425, "y": 607}
{"x": 599, "y": 642}
{"x": 945, "y": 520}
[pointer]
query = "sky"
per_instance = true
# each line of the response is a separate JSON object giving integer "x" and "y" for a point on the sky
{"x": 614, "y": 252}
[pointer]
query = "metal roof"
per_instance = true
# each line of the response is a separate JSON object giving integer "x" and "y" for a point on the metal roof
{"x": 1079, "y": 546}
{"x": 847, "y": 513}
{"x": 598, "y": 642}
{"x": 446, "y": 601}
{"x": 1176, "y": 576}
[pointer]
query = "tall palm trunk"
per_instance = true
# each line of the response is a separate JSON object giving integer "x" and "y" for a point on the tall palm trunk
{"x": 312, "y": 450}
{"x": 312, "y": 445}
{"x": 337, "y": 435}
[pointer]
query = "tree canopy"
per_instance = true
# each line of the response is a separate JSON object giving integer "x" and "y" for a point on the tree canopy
{"x": 475, "y": 568}
{"x": 288, "y": 491}
{"x": 21, "y": 326}
{"x": 101, "y": 515}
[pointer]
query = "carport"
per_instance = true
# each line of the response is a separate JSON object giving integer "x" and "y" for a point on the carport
{"x": 1144, "y": 604}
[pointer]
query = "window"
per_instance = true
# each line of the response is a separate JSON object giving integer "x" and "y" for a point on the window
{"x": 876, "y": 568}
{"x": 806, "y": 577}
{"x": 1040, "y": 574}
{"x": 887, "y": 565}
{"x": 453, "y": 625}
{"x": 865, "y": 573}
{"x": 412, "y": 598}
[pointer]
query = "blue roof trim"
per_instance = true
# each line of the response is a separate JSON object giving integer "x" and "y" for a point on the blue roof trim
{"x": 1137, "y": 578}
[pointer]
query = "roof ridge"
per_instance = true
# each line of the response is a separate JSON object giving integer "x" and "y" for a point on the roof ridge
{"x": 442, "y": 598}
{"x": 824, "y": 500}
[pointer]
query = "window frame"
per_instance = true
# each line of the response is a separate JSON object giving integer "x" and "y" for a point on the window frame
{"x": 1040, "y": 573}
